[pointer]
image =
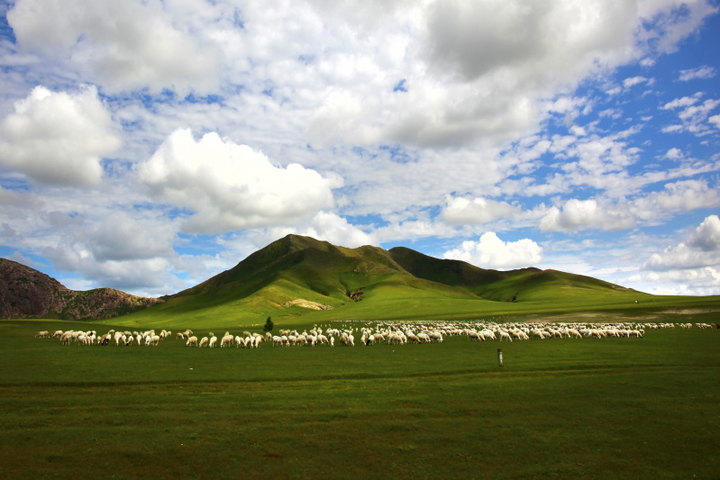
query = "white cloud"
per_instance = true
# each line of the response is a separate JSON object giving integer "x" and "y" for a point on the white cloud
{"x": 691, "y": 267}
{"x": 576, "y": 215}
{"x": 703, "y": 72}
{"x": 632, "y": 81}
{"x": 124, "y": 249}
{"x": 470, "y": 82}
{"x": 474, "y": 211}
{"x": 540, "y": 33}
{"x": 229, "y": 186}
{"x": 122, "y": 237}
{"x": 492, "y": 252}
{"x": 682, "y": 256}
{"x": 674, "y": 154}
{"x": 682, "y": 196}
{"x": 125, "y": 45}
{"x": 707, "y": 235}
{"x": 694, "y": 114}
{"x": 313, "y": 82}
{"x": 700, "y": 249}
{"x": 692, "y": 281}
{"x": 683, "y": 102}
{"x": 58, "y": 137}
{"x": 137, "y": 274}
{"x": 330, "y": 227}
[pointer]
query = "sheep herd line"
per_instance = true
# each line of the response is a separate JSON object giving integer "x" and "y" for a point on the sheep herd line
{"x": 393, "y": 333}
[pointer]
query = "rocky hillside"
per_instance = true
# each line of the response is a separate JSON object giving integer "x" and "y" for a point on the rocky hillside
{"x": 27, "y": 293}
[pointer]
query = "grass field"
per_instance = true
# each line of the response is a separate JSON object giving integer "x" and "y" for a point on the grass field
{"x": 599, "y": 409}
{"x": 425, "y": 305}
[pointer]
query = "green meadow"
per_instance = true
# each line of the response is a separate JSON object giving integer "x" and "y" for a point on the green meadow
{"x": 616, "y": 408}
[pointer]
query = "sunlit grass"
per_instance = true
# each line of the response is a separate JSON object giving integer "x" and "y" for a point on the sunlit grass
{"x": 612, "y": 408}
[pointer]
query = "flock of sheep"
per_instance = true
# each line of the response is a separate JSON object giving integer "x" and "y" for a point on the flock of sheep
{"x": 394, "y": 333}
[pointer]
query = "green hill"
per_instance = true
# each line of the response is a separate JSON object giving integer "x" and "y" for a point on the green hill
{"x": 300, "y": 280}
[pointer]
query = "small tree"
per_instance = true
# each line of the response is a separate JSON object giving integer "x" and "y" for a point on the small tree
{"x": 268, "y": 325}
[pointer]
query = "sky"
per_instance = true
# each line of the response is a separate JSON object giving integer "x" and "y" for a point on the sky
{"x": 147, "y": 145}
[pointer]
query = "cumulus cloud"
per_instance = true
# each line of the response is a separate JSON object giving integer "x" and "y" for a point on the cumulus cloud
{"x": 700, "y": 249}
{"x": 229, "y": 186}
{"x": 123, "y": 237}
{"x": 675, "y": 197}
{"x": 707, "y": 235}
{"x": 330, "y": 227}
{"x": 694, "y": 281}
{"x": 129, "y": 275}
{"x": 58, "y": 137}
{"x": 325, "y": 73}
{"x": 583, "y": 214}
{"x": 489, "y": 251}
{"x": 691, "y": 267}
{"x": 574, "y": 215}
{"x": 472, "y": 37}
{"x": 674, "y": 154}
{"x": 125, "y": 250}
{"x": 474, "y": 211}
{"x": 470, "y": 82}
{"x": 125, "y": 45}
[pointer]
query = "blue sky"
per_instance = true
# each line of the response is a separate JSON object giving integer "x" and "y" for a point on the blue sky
{"x": 148, "y": 145}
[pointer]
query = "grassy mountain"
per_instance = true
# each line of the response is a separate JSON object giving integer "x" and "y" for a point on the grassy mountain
{"x": 505, "y": 286}
{"x": 273, "y": 279}
{"x": 27, "y": 293}
{"x": 299, "y": 279}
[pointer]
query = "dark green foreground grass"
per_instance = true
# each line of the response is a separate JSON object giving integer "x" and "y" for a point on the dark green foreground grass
{"x": 604, "y": 409}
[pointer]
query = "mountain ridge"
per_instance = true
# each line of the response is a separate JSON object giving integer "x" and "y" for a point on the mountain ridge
{"x": 294, "y": 273}
{"x": 29, "y": 293}
{"x": 369, "y": 281}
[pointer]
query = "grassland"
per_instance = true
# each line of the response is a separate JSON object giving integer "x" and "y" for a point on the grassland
{"x": 597, "y": 409}
{"x": 401, "y": 302}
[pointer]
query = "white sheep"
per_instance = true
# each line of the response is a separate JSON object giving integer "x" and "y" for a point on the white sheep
{"x": 67, "y": 337}
{"x": 573, "y": 332}
{"x": 192, "y": 340}
{"x": 436, "y": 336}
{"x": 203, "y": 342}
{"x": 488, "y": 334}
{"x": 226, "y": 340}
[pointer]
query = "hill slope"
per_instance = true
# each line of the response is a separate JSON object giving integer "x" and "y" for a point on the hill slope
{"x": 505, "y": 286}
{"x": 305, "y": 279}
{"x": 27, "y": 293}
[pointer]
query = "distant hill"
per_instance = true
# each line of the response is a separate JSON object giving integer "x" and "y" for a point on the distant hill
{"x": 301, "y": 280}
{"x": 299, "y": 276}
{"x": 27, "y": 293}
{"x": 512, "y": 285}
